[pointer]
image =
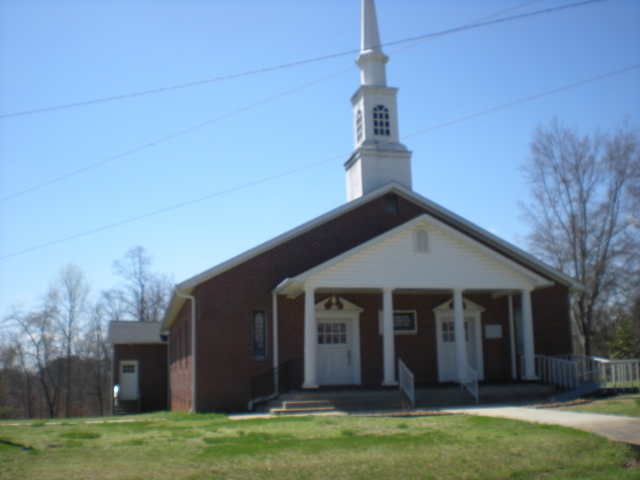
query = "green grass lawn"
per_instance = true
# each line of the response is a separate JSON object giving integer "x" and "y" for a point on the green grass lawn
{"x": 179, "y": 446}
{"x": 617, "y": 405}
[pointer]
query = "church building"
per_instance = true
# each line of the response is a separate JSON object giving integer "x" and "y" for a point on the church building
{"x": 389, "y": 276}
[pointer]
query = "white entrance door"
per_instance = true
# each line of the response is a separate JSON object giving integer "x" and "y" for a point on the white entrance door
{"x": 336, "y": 357}
{"x": 447, "y": 359}
{"x": 128, "y": 380}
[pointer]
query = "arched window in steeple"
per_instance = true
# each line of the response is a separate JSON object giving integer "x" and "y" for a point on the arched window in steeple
{"x": 359, "y": 131}
{"x": 381, "y": 121}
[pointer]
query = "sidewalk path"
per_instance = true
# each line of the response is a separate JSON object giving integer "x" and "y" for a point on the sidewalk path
{"x": 615, "y": 427}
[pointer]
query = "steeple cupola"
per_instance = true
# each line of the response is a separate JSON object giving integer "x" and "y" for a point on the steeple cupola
{"x": 378, "y": 157}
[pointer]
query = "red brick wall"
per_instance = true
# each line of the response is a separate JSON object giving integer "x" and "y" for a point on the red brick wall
{"x": 152, "y": 372}
{"x": 225, "y": 305}
{"x": 180, "y": 360}
{"x": 496, "y": 351}
{"x": 552, "y": 324}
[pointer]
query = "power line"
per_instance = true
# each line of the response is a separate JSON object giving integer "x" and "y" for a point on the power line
{"x": 526, "y": 99}
{"x": 295, "y": 63}
{"x": 321, "y": 162}
{"x": 171, "y": 136}
{"x": 153, "y": 143}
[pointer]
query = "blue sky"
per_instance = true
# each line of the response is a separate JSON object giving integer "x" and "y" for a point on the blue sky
{"x": 265, "y": 152}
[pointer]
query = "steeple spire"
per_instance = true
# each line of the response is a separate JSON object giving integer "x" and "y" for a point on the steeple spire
{"x": 369, "y": 35}
{"x": 378, "y": 158}
{"x": 371, "y": 59}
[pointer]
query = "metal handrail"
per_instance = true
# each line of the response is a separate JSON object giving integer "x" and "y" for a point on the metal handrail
{"x": 567, "y": 371}
{"x": 558, "y": 371}
{"x": 471, "y": 383}
{"x": 274, "y": 382}
{"x": 406, "y": 382}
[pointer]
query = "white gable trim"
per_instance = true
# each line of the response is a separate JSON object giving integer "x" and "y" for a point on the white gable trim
{"x": 293, "y": 286}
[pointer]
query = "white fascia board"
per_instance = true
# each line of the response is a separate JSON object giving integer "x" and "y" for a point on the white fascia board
{"x": 175, "y": 305}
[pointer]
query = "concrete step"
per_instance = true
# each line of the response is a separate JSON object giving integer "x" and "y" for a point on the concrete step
{"x": 126, "y": 407}
{"x": 326, "y": 401}
{"x": 297, "y": 407}
{"x": 301, "y": 411}
{"x": 390, "y": 399}
{"x": 306, "y": 404}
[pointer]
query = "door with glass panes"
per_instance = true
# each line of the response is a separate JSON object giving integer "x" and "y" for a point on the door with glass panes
{"x": 336, "y": 362}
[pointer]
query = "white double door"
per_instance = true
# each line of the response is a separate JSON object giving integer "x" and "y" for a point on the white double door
{"x": 447, "y": 358}
{"x": 338, "y": 351}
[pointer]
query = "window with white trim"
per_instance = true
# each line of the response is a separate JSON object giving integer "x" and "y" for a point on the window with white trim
{"x": 381, "y": 124}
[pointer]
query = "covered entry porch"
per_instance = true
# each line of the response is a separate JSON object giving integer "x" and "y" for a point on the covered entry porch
{"x": 357, "y": 337}
{"x": 422, "y": 292}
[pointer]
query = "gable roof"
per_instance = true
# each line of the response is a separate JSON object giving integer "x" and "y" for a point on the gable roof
{"x": 433, "y": 209}
{"x": 125, "y": 332}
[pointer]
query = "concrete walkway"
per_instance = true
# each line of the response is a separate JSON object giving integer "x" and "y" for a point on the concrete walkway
{"x": 615, "y": 427}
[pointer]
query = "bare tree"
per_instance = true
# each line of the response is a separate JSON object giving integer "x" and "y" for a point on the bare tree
{"x": 145, "y": 294}
{"x": 96, "y": 356}
{"x": 583, "y": 219}
{"x": 9, "y": 388}
{"x": 67, "y": 300}
{"x": 112, "y": 305}
{"x": 20, "y": 382}
{"x": 41, "y": 349}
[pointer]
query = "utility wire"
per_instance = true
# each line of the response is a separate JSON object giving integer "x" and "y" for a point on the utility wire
{"x": 295, "y": 63}
{"x": 316, "y": 164}
{"x": 172, "y": 136}
{"x": 153, "y": 143}
{"x": 526, "y": 99}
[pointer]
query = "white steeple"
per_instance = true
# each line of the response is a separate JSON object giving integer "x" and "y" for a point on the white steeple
{"x": 371, "y": 59}
{"x": 378, "y": 157}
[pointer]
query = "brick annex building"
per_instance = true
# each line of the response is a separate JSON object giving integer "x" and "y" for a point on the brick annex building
{"x": 389, "y": 275}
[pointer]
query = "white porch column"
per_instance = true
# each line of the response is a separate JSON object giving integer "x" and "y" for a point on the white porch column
{"x": 310, "y": 340}
{"x": 512, "y": 340}
{"x": 388, "y": 340}
{"x": 460, "y": 335}
{"x": 527, "y": 336}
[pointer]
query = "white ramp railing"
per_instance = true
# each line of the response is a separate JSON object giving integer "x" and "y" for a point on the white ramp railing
{"x": 471, "y": 383}
{"x": 619, "y": 374}
{"x": 558, "y": 371}
{"x": 568, "y": 371}
{"x": 406, "y": 382}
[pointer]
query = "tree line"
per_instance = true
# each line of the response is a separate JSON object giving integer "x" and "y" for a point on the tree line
{"x": 55, "y": 360}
